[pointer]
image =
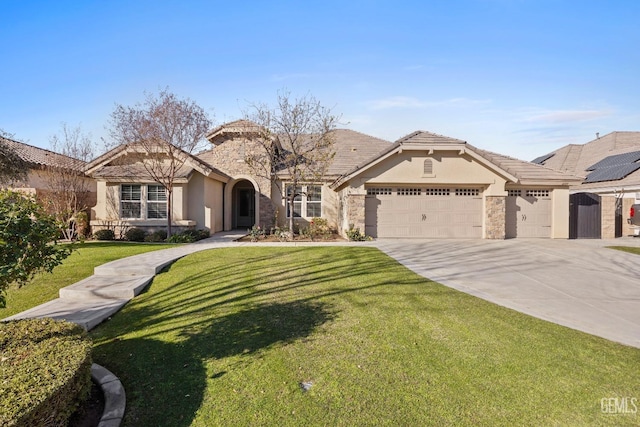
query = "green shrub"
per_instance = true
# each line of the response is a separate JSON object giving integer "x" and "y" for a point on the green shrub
{"x": 104, "y": 234}
{"x": 45, "y": 366}
{"x": 355, "y": 235}
{"x": 256, "y": 233}
{"x": 197, "y": 234}
{"x": 189, "y": 236}
{"x": 156, "y": 236}
{"x": 318, "y": 228}
{"x": 28, "y": 240}
{"x": 135, "y": 234}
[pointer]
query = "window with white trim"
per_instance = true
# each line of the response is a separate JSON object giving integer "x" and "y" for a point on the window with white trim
{"x": 130, "y": 201}
{"x": 143, "y": 201}
{"x": 307, "y": 202}
{"x": 156, "y": 202}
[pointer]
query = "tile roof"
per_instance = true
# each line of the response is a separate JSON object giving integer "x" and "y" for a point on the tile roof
{"x": 105, "y": 167}
{"x": 235, "y": 128}
{"x": 524, "y": 172}
{"x": 354, "y": 149}
{"x": 135, "y": 171}
{"x": 579, "y": 159}
{"x": 40, "y": 157}
{"x": 421, "y": 136}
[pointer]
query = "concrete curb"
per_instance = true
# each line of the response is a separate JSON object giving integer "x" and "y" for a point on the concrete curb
{"x": 115, "y": 400}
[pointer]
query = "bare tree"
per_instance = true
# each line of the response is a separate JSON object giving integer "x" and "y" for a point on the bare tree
{"x": 158, "y": 133}
{"x": 68, "y": 188}
{"x": 12, "y": 166}
{"x": 296, "y": 145}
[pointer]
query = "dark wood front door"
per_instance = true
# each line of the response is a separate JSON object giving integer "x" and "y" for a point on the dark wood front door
{"x": 245, "y": 207}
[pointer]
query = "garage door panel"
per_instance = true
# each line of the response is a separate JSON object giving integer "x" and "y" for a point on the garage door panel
{"x": 528, "y": 216}
{"x": 424, "y": 216}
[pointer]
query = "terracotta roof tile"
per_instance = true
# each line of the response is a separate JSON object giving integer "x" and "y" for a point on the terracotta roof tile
{"x": 41, "y": 157}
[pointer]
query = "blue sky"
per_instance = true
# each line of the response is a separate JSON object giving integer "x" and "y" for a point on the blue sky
{"x": 519, "y": 77}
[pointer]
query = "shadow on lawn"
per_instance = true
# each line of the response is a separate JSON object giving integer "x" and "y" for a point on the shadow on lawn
{"x": 167, "y": 381}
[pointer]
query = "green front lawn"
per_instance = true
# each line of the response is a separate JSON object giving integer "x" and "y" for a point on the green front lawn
{"x": 235, "y": 336}
{"x": 80, "y": 264}
{"x": 630, "y": 249}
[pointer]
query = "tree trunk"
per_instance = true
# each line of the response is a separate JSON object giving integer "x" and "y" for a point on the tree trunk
{"x": 169, "y": 209}
{"x": 291, "y": 209}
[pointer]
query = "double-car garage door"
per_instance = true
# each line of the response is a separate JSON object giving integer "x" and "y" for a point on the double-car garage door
{"x": 452, "y": 212}
{"x": 424, "y": 212}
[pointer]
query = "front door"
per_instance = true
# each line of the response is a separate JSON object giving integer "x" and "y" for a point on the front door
{"x": 245, "y": 207}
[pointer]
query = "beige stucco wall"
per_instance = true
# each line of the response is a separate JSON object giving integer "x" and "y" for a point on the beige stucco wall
{"x": 330, "y": 207}
{"x": 560, "y": 213}
{"x": 407, "y": 168}
{"x": 203, "y": 200}
{"x": 41, "y": 183}
{"x": 196, "y": 204}
{"x": 448, "y": 168}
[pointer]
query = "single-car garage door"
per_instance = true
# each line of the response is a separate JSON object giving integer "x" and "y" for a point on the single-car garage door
{"x": 423, "y": 212}
{"x": 528, "y": 213}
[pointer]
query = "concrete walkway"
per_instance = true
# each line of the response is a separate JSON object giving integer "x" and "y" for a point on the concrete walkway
{"x": 94, "y": 299}
{"x": 575, "y": 283}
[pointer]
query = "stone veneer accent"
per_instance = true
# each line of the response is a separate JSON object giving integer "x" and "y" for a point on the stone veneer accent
{"x": 355, "y": 211}
{"x": 229, "y": 157}
{"x": 608, "y": 217}
{"x": 496, "y": 218}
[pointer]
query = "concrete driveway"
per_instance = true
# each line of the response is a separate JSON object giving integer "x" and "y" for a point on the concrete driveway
{"x": 575, "y": 283}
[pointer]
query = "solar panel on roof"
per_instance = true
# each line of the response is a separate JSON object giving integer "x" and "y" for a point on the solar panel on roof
{"x": 540, "y": 160}
{"x": 612, "y": 173}
{"x": 616, "y": 160}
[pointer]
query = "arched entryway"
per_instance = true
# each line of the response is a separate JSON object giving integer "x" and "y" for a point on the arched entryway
{"x": 243, "y": 204}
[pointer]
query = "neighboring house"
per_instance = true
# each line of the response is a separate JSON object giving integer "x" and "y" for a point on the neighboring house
{"x": 43, "y": 166}
{"x": 610, "y": 170}
{"x": 424, "y": 185}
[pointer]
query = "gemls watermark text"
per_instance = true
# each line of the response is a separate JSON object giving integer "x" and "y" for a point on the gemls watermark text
{"x": 619, "y": 405}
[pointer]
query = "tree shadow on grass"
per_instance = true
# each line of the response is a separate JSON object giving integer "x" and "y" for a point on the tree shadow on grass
{"x": 165, "y": 382}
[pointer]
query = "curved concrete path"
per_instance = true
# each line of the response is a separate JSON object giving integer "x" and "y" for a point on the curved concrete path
{"x": 575, "y": 283}
{"x": 92, "y": 300}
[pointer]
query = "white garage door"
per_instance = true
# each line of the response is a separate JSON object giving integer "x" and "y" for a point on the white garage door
{"x": 528, "y": 213}
{"x": 423, "y": 212}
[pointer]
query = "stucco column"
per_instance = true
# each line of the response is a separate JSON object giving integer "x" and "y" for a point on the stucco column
{"x": 496, "y": 218}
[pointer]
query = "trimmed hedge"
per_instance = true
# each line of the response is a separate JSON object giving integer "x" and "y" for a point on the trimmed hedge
{"x": 105, "y": 234}
{"x": 135, "y": 234}
{"x": 45, "y": 366}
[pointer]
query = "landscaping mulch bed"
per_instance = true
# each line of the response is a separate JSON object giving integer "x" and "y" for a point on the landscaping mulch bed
{"x": 89, "y": 414}
{"x": 273, "y": 238}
